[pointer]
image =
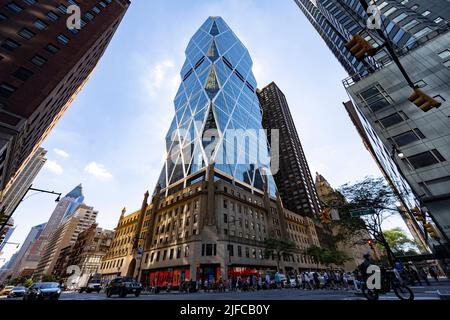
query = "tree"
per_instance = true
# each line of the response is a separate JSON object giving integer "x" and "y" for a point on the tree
{"x": 278, "y": 248}
{"x": 28, "y": 283}
{"x": 49, "y": 278}
{"x": 399, "y": 242}
{"x": 326, "y": 256}
{"x": 375, "y": 194}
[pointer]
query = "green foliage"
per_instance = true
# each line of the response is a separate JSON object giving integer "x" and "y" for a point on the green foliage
{"x": 28, "y": 283}
{"x": 277, "y": 248}
{"x": 50, "y": 278}
{"x": 399, "y": 242}
{"x": 327, "y": 256}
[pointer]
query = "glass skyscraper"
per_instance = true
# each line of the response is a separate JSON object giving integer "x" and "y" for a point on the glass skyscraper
{"x": 217, "y": 113}
{"x": 405, "y": 22}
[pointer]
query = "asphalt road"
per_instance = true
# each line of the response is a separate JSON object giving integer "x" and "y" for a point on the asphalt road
{"x": 420, "y": 292}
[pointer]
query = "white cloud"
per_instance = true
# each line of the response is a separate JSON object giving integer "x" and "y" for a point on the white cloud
{"x": 161, "y": 76}
{"x": 98, "y": 170}
{"x": 61, "y": 153}
{"x": 53, "y": 167}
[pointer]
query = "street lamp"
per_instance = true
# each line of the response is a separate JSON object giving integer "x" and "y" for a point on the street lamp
{"x": 2, "y": 211}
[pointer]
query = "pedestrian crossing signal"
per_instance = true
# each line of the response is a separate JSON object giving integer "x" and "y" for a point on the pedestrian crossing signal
{"x": 360, "y": 48}
{"x": 423, "y": 101}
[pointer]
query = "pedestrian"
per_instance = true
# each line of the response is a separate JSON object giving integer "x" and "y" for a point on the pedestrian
{"x": 423, "y": 274}
{"x": 433, "y": 273}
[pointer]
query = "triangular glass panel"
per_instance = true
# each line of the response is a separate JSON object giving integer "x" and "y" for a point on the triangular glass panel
{"x": 162, "y": 178}
{"x": 214, "y": 30}
{"x": 213, "y": 54}
{"x": 212, "y": 85}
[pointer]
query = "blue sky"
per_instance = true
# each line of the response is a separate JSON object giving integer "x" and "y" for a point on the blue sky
{"x": 111, "y": 138}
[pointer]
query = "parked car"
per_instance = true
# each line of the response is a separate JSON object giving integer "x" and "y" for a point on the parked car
{"x": 123, "y": 286}
{"x": 6, "y": 290}
{"x": 17, "y": 292}
{"x": 43, "y": 291}
{"x": 92, "y": 286}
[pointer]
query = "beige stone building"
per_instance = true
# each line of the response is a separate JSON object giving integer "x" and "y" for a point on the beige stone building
{"x": 126, "y": 246}
{"x": 210, "y": 229}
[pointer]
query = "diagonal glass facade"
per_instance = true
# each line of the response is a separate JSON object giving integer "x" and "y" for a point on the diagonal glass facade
{"x": 217, "y": 113}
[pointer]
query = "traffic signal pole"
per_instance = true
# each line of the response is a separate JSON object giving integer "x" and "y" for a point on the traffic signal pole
{"x": 390, "y": 49}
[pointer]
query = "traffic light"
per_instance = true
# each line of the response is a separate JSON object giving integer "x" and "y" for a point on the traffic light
{"x": 360, "y": 48}
{"x": 423, "y": 101}
{"x": 418, "y": 214}
{"x": 432, "y": 231}
{"x": 325, "y": 216}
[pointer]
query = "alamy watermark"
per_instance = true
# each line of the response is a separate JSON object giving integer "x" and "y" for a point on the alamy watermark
{"x": 374, "y": 20}
{"x": 248, "y": 147}
{"x": 74, "y": 19}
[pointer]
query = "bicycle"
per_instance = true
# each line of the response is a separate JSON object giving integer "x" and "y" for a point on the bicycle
{"x": 390, "y": 279}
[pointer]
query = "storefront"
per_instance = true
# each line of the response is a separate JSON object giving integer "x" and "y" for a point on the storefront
{"x": 169, "y": 277}
{"x": 210, "y": 272}
{"x": 248, "y": 271}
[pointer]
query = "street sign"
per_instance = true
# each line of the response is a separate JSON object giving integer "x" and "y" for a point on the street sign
{"x": 361, "y": 212}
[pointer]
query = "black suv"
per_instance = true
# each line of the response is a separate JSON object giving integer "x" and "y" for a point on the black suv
{"x": 123, "y": 286}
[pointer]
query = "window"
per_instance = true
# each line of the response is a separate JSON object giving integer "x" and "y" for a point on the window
{"x": 6, "y": 90}
{"x": 438, "y": 20}
{"x": 426, "y": 13}
{"x": 375, "y": 98}
{"x": 13, "y": 7}
{"x": 38, "y": 60}
{"x": 23, "y": 74}
{"x": 51, "y": 48}
{"x": 420, "y": 84}
{"x": 422, "y": 32}
{"x": 29, "y": 2}
{"x": 239, "y": 248}
{"x": 171, "y": 254}
{"x": 62, "y": 8}
{"x": 178, "y": 252}
{"x": 230, "y": 249}
{"x": 52, "y": 16}
{"x": 389, "y": 11}
{"x": 3, "y": 17}
{"x": 408, "y": 137}
{"x": 444, "y": 54}
{"x": 164, "y": 255}
{"x": 26, "y": 33}
{"x": 209, "y": 249}
{"x": 411, "y": 25}
{"x": 425, "y": 159}
{"x": 225, "y": 218}
{"x": 393, "y": 119}
{"x": 186, "y": 251}
{"x": 10, "y": 44}
{"x": 63, "y": 39}
{"x": 400, "y": 17}
{"x": 247, "y": 252}
{"x": 41, "y": 25}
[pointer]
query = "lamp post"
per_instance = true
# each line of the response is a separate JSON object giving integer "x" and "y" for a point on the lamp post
{"x": 2, "y": 212}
